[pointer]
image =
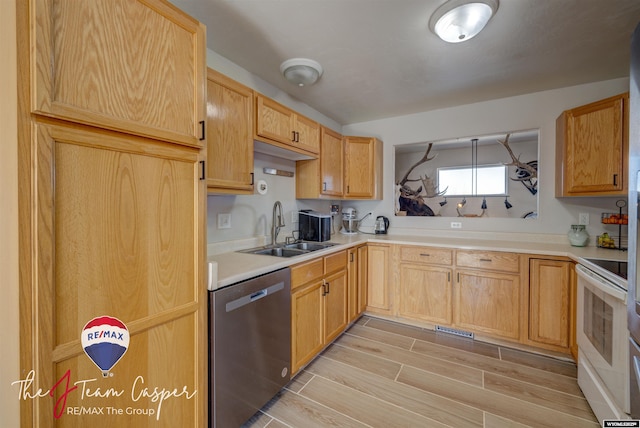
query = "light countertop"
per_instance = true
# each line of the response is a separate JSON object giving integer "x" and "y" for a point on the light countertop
{"x": 234, "y": 267}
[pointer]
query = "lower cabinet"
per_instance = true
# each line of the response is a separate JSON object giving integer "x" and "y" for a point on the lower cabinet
{"x": 488, "y": 302}
{"x": 527, "y": 299}
{"x": 551, "y": 304}
{"x": 318, "y": 306}
{"x": 378, "y": 279}
{"x": 357, "y": 277}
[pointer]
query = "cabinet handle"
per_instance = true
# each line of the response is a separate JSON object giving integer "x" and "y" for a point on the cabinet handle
{"x": 328, "y": 288}
{"x": 297, "y": 137}
{"x": 324, "y": 186}
{"x": 293, "y": 136}
{"x": 425, "y": 254}
{"x": 351, "y": 257}
{"x": 448, "y": 276}
{"x": 252, "y": 178}
{"x": 202, "y": 170}
{"x": 485, "y": 260}
{"x": 202, "y": 130}
{"x": 458, "y": 277}
{"x": 615, "y": 179}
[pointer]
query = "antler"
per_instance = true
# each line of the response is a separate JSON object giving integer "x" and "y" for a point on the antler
{"x": 533, "y": 173}
{"x": 424, "y": 159}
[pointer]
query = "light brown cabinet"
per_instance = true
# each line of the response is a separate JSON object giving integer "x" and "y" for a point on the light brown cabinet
{"x": 323, "y": 177}
{"x": 426, "y": 290}
{"x": 319, "y": 295}
{"x": 379, "y": 291}
{"x": 281, "y": 126}
{"x": 114, "y": 214}
{"x": 229, "y": 135}
{"x": 551, "y": 304}
{"x": 592, "y": 144}
{"x": 130, "y": 66}
{"x": 363, "y": 168}
{"x": 357, "y": 276}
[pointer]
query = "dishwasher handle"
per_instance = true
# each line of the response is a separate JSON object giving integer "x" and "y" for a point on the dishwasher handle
{"x": 253, "y": 297}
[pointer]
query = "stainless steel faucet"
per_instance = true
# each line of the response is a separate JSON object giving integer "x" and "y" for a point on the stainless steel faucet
{"x": 277, "y": 222}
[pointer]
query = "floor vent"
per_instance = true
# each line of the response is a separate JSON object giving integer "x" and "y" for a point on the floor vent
{"x": 454, "y": 331}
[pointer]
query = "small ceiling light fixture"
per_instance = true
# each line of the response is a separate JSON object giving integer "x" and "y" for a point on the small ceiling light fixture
{"x": 301, "y": 71}
{"x": 460, "y": 20}
{"x": 462, "y": 203}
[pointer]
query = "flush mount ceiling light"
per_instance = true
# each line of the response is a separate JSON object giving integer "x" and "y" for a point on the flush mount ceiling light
{"x": 301, "y": 71}
{"x": 459, "y": 20}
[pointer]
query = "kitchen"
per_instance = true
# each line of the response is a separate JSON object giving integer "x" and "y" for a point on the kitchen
{"x": 251, "y": 215}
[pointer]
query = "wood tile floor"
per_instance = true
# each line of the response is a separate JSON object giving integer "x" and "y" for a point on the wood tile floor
{"x": 385, "y": 374}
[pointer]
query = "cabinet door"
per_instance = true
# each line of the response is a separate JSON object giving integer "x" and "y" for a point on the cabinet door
{"x": 131, "y": 66}
{"x": 378, "y": 298}
{"x": 363, "y": 168}
{"x": 307, "y": 314}
{"x": 362, "y": 279}
{"x": 353, "y": 279}
{"x": 595, "y": 146}
{"x": 229, "y": 135}
{"x": 488, "y": 302}
{"x": 308, "y": 134}
{"x": 331, "y": 163}
{"x": 335, "y": 305}
{"x": 426, "y": 293}
{"x": 550, "y": 302}
{"x": 119, "y": 232}
{"x": 274, "y": 121}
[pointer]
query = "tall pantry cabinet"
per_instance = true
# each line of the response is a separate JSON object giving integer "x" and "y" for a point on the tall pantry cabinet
{"x": 111, "y": 207}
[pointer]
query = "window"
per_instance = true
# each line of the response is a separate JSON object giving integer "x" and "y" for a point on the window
{"x": 461, "y": 181}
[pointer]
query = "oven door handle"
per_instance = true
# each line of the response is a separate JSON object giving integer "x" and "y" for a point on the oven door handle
{"x": 601, "y": 283}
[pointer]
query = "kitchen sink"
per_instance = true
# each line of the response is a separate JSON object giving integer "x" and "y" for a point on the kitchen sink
{"x": 288, "y": 250}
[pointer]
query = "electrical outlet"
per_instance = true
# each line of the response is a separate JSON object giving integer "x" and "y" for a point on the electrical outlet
{"x": 456, "y": 225}
{"x": 583, "y": 218}
{"x": 224, "y": 221}
{"x": 294, "y": 216}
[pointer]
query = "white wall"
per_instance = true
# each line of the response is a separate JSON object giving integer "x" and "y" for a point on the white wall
{"x": 9, "y": 320}
{"x": 538, "y": 110}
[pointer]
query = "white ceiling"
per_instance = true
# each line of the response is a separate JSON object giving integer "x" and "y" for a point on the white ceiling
{"x": 380, "y": 59}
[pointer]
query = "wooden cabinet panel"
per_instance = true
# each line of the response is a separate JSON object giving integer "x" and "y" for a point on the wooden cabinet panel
{"x": 120, "y": 232}
{"x": 488, "y": 302}
{"x": 279, "y": 125}
{"x": 357, "y": 278}
{"x": 378, "y": 294}
{"x": 426, "y": 255}
{"x": 363, "y": 168}
{"x": 426, "y": 293}
{"x": 308, "y": 137}
{"x": 335, "y": 262}
{"x": 304, "y": 273}
{"x": 331, "y": 163}
{"x": 229, "y": 135}
{"x": 550, "y": 304}
{"x": 592, "y": 146}
{"x": 363, "y": 268}
{"x": 493, "y": 260}
{"x": 307, "y": 314}
{"x": 274, "y": 121}
{"x": 131, "y": 66}
{"x": 335, "y": 305}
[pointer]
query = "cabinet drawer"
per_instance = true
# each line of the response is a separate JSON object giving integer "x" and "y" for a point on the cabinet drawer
{"x": 306, "y": 272}
{"x": 426, "y": 255}
{"x": 494, "y": 260}
{"x": 335, "y": 262}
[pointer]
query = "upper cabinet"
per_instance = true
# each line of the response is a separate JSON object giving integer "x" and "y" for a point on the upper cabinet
{"x": 132, "y": 66}
{"x": 348, "y": 168}
{"x": 592, "y": 143}
{"x": 229, "y": 135}
{"x": 323, "y": 177}
{"x": 280, "y": 126}
{"x": 363, "y": 168}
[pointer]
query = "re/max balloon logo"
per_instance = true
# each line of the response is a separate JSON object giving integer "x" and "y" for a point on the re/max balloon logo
{"x": 105, "y": 340}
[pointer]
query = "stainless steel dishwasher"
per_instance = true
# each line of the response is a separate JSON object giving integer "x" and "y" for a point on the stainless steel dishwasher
{"x": 250, "y": 346}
